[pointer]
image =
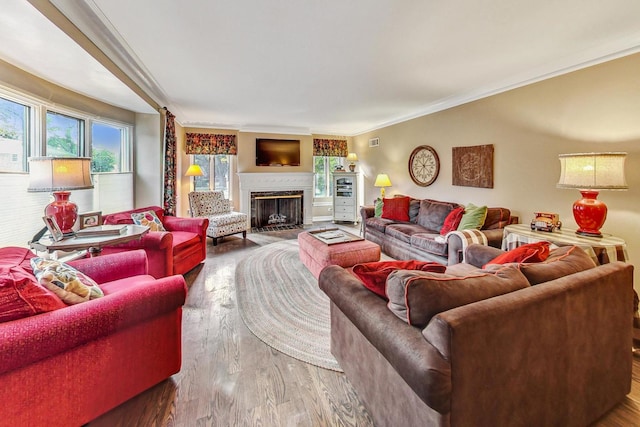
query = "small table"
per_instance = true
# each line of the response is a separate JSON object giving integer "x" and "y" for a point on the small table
{"x": 604, "y": 249}
{"x": 93, "y": 244}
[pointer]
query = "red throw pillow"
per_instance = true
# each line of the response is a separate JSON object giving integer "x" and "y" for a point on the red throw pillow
{"x": 452, "y": 221}
{"x": 374, "y": 274}
{"x": 396, "y": 208}
{"x": 532, "y": 252}
{"x": 21, "y": 296}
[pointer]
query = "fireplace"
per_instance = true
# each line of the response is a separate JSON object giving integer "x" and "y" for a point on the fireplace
{"x": 276, "y": 208}
{"x": 278, "y": 184}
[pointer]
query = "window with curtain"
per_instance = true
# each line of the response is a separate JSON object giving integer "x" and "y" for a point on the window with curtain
{"x": 327, "y": 154}
{"x": 217, "y": 172}
{"x": 213, "y": 153}
{"x": 15, "y": 120}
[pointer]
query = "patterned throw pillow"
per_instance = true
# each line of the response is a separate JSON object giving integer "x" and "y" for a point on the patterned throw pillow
{"x": 70, "y": 285}
{"x": 149, "y": 219}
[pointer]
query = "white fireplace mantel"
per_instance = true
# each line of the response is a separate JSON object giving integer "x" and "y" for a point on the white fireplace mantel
{"x": 251, "y": 182}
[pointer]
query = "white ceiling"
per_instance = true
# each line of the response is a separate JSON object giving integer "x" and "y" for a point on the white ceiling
{"x": 332, "y": 66}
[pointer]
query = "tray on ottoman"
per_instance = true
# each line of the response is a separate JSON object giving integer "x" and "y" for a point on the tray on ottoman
{"x": 315, "y": 254}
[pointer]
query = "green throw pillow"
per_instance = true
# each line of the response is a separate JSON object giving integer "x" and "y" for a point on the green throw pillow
{"x": 473, "y": 217}
{"x": 378, "y": 209}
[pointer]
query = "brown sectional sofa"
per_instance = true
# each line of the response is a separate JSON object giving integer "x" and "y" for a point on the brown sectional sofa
{"x": 555, "y": 353}
{"x": 420, "y": 239}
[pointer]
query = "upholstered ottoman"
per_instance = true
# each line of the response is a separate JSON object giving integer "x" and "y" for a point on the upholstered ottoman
{"x": 316, "y": 255}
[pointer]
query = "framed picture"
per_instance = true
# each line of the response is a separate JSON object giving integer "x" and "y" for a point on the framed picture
{"x": 54, "y": 229}
{"x": 374, "y": 142}
{"x": 90, "y": 219}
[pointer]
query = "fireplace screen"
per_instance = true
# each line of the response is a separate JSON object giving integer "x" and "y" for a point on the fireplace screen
{"x": 276, "y": 208}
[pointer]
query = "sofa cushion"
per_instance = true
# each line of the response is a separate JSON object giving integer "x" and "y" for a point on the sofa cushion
{"x": 433, "y": 213}
{"x": 427, "y": 242}
{"x": 148, "y": 219}
{"x": 403, "y": 231}
{"x": 531, "y": 252}
{"x": 561, "y": 262}
{"x": 184, "y": 239}
{"x": 496, "y": 218}
{"x": 374, "y": 274}
{"x": 416, "y": 296}
{"x": 396, "y": 208}
{"x": 378, "y": 223}
{"x": 119, "y": 218}
{"x": 452, "y": 221}
{"x": 70, "y": 285}
{"x": 414, "y": 210}
{"x": 473, "y": 217}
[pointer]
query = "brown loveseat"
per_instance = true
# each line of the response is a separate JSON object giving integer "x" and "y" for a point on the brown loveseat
{"x": 420, "y": 239}
{"x": 557, "y": 353}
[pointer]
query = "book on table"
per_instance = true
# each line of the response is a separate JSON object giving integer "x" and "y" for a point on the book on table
{"x": 102, "y": 230}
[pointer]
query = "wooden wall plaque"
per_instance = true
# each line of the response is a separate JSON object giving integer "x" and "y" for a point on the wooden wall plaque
{"x": 473, "y": 166}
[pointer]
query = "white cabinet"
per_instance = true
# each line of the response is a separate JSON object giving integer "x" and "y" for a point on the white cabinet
{"x": 345, "y": 191}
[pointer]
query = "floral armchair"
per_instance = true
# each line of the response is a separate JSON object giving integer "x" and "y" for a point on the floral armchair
{"x": 222, "y": 220}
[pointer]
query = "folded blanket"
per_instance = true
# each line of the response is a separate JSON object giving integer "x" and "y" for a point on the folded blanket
{"x": 469, "y": 237}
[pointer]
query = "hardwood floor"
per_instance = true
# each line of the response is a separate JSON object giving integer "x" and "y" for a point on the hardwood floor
{"x": 230, "y": 378}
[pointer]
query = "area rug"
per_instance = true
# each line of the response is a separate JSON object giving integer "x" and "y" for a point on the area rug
{"x": 280, "y": 302}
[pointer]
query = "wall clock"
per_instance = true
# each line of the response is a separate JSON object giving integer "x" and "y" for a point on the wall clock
{"x": 424, "y": 165}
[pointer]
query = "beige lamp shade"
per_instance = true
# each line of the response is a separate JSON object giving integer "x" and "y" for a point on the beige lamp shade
{"x": 194, "y": 170}
{"x": 59, "y": 173}
{"x": 592, "y": 171}
{"x": 352, "y": 157}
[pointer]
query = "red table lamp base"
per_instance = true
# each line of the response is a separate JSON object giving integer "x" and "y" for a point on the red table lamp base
{"x": 589, "y": 214}
{"x": 63, "y": 210}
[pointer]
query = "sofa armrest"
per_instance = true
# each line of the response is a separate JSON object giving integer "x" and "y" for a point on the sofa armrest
{"x": 494, "y": 237}
{"x": 479, "y": 255}
{"x": 34, "y": 338}
{"x": 417, "y": 361}
{"x": 366, "y": 212}
{"x": 193, "y": 225}
{"x": 115, "y": 266}
{"x": 553, "y": 336}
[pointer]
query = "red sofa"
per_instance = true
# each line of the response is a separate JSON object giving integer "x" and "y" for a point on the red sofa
{"x": 175, "y": 251}
{"x": 68, "y": 366}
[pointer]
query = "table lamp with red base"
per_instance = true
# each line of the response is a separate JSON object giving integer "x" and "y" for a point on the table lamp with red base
{"x": 590, "y": 172}
{"x": 59, "y": 175}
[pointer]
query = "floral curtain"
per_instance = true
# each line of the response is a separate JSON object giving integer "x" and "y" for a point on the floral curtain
{"x": 169, "y": 164}
{"x": 208, "y": 143}
{"x": 330, "y": 147}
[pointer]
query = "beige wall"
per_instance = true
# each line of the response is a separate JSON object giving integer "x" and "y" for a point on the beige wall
{"x": 595, "y": 109}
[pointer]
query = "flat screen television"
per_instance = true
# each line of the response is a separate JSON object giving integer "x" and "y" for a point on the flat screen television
{"x": 277, "y": 152}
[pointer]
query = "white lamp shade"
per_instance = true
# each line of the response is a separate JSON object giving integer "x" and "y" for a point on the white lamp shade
{"x": 592, "y": 171}
{"x": 59, "y": 173}
{"x": 382, "y": 180}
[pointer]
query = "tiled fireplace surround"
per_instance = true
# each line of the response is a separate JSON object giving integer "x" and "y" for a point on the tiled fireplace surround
{"x": 261, "y": 182}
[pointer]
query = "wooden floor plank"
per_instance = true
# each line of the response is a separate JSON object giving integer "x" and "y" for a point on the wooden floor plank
{"x": 231, "y": 378}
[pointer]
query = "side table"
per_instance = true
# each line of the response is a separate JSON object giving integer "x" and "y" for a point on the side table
{"x": 603, "y": 249}
{"x": 92, "y": 244}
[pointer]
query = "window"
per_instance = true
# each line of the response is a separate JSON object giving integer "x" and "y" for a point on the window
{"x": 109, "y": 148}
{"x": 322, "y": 167}
{"x": 65, "y": 135}
{"x": 15, "y": 121}
{"x": 217, "y": 167}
